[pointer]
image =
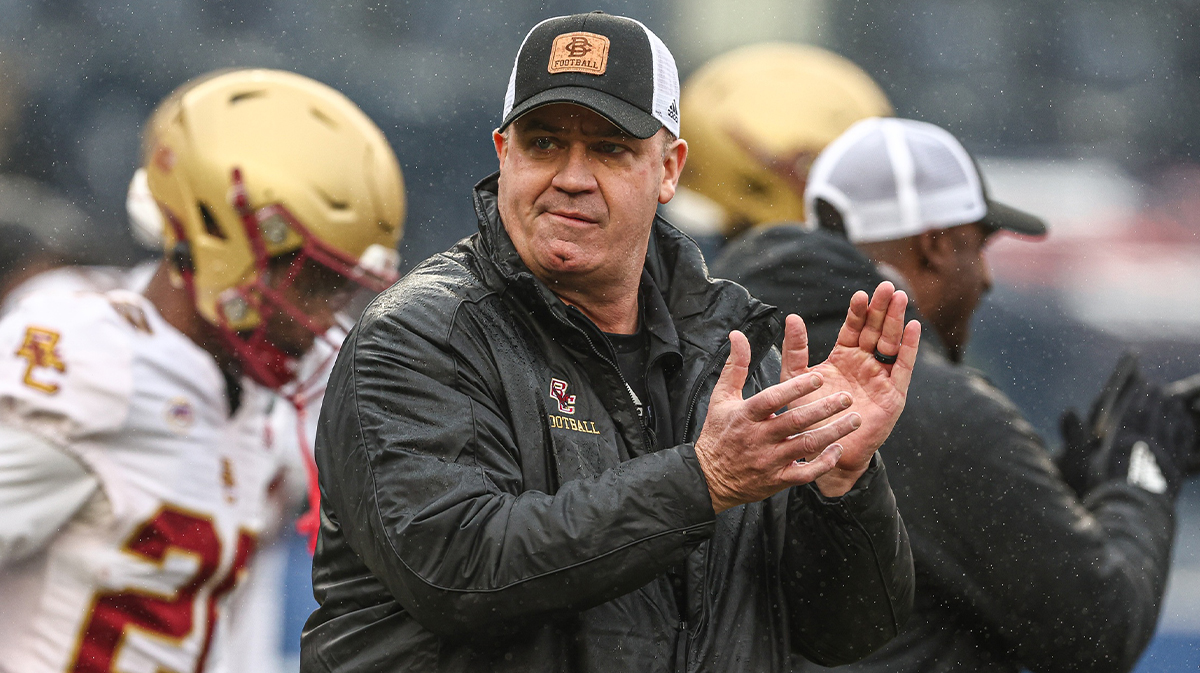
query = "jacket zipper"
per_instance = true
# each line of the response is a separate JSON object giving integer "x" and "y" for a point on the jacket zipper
{"x": 722, "y": 355}
{"x": 681, "y": 649}
{"x": 646, "y": 445}
{"x": 717, "y": 363}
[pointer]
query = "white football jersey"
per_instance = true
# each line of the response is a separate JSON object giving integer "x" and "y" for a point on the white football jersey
{"x": 138, "y": 578}
{"x": 75, "y": 279}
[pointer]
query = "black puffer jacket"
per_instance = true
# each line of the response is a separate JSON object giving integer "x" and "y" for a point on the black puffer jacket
{"x": 469, "y": 524}
{"x": 1013, "y": 571}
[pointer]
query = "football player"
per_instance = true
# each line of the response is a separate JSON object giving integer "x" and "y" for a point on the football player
{"x": 134, "y": 474}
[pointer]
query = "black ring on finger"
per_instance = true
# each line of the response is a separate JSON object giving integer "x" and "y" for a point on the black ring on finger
{"x": 886, "y": 359}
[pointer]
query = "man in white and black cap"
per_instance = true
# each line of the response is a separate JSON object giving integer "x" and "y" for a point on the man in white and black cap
{"x": 561, "y": 446}
{"x": 1020, "y": 565}
{"x": 910, "y": 196}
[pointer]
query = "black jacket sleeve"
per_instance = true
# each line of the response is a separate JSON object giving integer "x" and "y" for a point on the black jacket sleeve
{"x": 847, "y": 569}
{"x": 422, "y": 467}
{"x": 1065, "y": 585}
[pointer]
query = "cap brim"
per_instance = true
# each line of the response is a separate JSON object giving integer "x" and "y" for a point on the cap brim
{"x": 625, "y": 116}
{"x": 1000, "y": 216}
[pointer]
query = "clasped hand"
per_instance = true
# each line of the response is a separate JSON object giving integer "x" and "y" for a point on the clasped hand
{"x": 837, "y": 414}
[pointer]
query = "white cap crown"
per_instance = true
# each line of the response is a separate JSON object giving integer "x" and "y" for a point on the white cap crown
{"x": 892, "y": 178}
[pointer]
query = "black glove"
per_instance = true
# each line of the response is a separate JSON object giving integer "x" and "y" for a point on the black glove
{"x": 1136, "y": 432}
{"x": 1188, "y": 391}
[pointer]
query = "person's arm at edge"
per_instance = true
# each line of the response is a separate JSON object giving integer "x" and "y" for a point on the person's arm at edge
{"x": 1074, "y": 585}
{"x": 41, "y": 488}
{"x": 847, "y": 570}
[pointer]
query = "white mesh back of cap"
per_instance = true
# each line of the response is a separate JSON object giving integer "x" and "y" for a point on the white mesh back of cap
{"x": 893, "y": 178}
{"x": 860, "y": 174}
{"x": 946, "y": 180}
{"x": 665, "y": 107}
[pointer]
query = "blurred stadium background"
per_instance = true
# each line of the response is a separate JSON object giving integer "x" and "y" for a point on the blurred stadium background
{"x": 1083, "y": 111}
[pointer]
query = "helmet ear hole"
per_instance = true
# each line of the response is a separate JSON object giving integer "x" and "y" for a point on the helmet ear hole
{"x": 210, "y": 223}
{"x": 756, "y": 187}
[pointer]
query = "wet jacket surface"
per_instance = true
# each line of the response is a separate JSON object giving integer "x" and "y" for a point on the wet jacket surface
{"x": 1013, "y": 569}
{"x": 476, "y": 515}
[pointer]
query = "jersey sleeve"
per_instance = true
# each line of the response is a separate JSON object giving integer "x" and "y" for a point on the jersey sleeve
{"x": 41, "y": 488}
{"x": 65, "y": 366}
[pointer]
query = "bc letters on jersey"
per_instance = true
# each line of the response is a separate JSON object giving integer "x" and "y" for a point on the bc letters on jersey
{"x": 138, "y": 578}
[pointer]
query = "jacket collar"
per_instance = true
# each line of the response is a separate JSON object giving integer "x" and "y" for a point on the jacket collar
{"x": 703, "y": 309}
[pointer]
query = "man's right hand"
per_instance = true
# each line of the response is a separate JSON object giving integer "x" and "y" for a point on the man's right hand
{"x": 748, "y": 452}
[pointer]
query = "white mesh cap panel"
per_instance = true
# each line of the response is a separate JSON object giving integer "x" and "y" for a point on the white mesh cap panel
{"x": 859, "y": 173}
{"x": 937, "y": 167}
{"x": 893, "y": 178}
{"x": 949, "y": 188}
{"x": 666, "y": 82}
{"x": 855, "y": 175}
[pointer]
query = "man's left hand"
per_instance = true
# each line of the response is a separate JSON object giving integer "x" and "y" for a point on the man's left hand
{"x": 879, "y": 390}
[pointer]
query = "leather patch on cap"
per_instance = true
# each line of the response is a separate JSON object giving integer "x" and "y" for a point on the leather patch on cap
{"x": 579, "y": 52}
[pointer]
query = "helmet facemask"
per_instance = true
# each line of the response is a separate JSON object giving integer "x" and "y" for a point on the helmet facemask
{"x": 249, "y": 315}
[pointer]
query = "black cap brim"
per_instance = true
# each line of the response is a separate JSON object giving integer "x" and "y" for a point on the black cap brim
{"x": 625, "y": 116}
{"x": 1000, "y": 216}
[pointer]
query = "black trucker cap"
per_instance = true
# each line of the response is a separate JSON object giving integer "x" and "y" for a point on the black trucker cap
{"x": 610, "y": 64}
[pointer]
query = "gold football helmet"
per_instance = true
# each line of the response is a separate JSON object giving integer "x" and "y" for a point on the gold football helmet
{"x": 260, "y": 173}
{"x": 756, "y": 117}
